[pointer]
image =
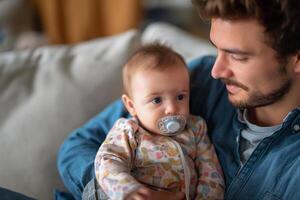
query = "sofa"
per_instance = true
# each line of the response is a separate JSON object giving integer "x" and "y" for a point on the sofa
{"x": 47, "y": 92}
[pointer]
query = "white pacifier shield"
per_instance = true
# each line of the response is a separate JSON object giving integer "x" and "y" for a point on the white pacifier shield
{"x": 172, "y": 126}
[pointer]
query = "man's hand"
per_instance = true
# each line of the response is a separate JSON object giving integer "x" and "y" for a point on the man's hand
{"x": 144, "y": 193}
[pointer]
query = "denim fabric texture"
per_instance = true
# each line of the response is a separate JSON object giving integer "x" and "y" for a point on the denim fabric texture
{"x": 6, "y": 194}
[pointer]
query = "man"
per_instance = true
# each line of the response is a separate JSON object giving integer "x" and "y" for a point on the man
{"x": 252, "y": 108}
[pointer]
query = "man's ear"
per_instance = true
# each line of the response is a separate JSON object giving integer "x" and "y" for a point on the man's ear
{"x": 297, "y": 63}
{"x": 129, "y": 104}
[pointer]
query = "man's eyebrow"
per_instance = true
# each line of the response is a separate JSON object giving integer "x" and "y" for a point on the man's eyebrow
{"x": 233, "y": 50}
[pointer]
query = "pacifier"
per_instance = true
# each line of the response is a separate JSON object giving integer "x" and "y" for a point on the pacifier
{"x": 171, "y": 125}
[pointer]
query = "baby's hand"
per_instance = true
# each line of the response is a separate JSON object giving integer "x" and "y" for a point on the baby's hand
{"x": 144, "y": 193}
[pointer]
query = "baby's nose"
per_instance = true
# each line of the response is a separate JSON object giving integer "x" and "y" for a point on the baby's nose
{"x": 170, "y": 109}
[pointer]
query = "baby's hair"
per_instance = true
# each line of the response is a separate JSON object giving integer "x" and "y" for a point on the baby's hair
{"x": 154, "y": 56}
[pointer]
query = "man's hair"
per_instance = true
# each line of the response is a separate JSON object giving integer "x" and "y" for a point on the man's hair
{"x": 280, "y": 18}
{"x": 154, "y": 56}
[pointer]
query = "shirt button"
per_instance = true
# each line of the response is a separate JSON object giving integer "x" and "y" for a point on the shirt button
{"x": 296, "y": 127}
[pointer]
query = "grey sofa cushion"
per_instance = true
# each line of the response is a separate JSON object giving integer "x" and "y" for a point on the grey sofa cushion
{"x": 44, "y": 95}
{"x": 189, "y": 46}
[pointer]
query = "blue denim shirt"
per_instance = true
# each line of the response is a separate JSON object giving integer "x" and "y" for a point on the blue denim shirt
{"x": 271, "y": 172}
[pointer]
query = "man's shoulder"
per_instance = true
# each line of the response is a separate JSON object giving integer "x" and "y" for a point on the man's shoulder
{"x": 200, "y": 71}
{"x": 206, "y": 60}
{"x": 207, "y": 93}
{"x": 201, "y": 63}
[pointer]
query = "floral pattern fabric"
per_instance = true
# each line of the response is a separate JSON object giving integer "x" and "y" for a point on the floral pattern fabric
{"x": 131, "y": 157}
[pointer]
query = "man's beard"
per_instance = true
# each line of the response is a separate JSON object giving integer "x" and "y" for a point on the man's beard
{"x": 258, "y": 99}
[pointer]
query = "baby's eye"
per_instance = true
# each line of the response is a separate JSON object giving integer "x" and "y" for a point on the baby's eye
{"x": 180, "y": 97}
{"x": 156, "y": 100}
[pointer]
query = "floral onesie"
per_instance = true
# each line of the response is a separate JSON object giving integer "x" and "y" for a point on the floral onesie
{"x": 131, "y": 157}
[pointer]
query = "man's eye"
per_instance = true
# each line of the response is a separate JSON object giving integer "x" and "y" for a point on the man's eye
{"x": 156, "y": 100}
{"x": 239, "y": 57}
{"x": 180, "y": 97}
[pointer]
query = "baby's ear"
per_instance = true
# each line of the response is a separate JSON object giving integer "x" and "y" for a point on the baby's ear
{"x": 129, "y": 104}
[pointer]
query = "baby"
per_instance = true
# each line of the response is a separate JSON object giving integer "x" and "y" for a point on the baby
{"x": 162, "y": 147}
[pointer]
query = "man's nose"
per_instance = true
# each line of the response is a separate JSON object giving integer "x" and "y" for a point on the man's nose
{"x": 221, "y": 67}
